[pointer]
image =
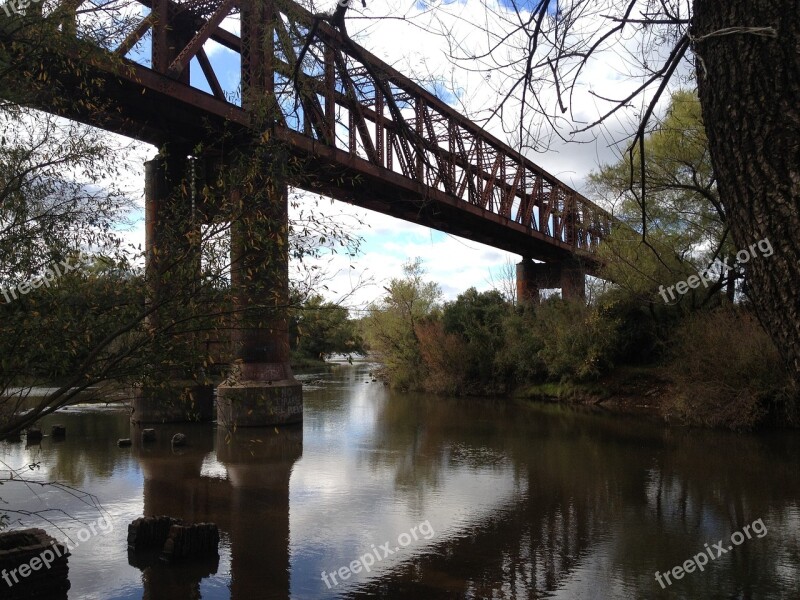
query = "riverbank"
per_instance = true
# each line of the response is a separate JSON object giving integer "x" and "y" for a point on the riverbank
{"x": 716, "y": 368}
{"x": 654, "y": 393}
{"x": 630, "y": 390}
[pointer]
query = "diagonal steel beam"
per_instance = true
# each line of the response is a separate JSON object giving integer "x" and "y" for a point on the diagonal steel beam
{"x": 201, "y": 37}
{"x": 355, "y": 109}
{"x": 134, "y": 36}
{"x": 211, "y": 77}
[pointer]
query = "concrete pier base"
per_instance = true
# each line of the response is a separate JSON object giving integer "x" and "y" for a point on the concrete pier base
{"x": 259, "y": 403}
{"x": 176, "y": 402}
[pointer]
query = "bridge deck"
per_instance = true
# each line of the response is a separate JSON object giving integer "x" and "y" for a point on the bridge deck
{"x": 372, "y": 136}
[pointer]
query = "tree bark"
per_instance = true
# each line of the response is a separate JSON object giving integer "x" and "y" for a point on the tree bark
{"x": 749, "y": 85}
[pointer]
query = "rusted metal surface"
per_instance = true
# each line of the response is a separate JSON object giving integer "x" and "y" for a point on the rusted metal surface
{"x": 357, "y": 120}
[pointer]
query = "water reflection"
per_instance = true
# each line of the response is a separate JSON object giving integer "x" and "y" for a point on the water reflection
{"x": 606, "y": 502}
{"x": 525, "y": 501}
{"x": 173, "y": 486}
{"x": 239, "y": 481}
{"x": 259, "y": 465}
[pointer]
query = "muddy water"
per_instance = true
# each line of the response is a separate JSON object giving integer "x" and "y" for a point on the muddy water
{"x": 412, "y": 496}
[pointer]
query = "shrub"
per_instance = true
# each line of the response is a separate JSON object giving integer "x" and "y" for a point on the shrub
{"x": 727, "y": 372}
{"x": 477, "y": 319}
{"x": 445, "y": 357}
{"x": 392, "y": 322}
{"x": 578, "y": 341}
{"x": 517, "y": 362}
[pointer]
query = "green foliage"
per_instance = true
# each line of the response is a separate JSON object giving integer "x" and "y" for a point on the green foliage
{"x": 578, "y": 341}
{"x": 678, "y": 174}
{"x": 391, "y": 325}
{"x": 319, "y": 329}
{"x": 684, "y": 222}
{"x": 643, "y": 329}
{"x": 725, "y": 369}
{"x": 46, "y": 334}
{"x": 481, "y": 344}
{"x": 475, "y": 315}
{"x": 517, "y": 361}
{"x": 45, "y": 214}
{"x": 477, "y": 318}
{"x": 446, "y": 359}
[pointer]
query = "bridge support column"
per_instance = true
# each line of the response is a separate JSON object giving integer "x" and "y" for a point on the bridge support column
{"x": 568, "y": 275}
{"x": 527, "y": 282}
{"x": 261, "y": 390}
{"x": 172, "y": 251}
{"x": 573, "y": 280}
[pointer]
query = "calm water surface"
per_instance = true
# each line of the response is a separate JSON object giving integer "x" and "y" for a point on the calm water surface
{"x": 507, "y": 501}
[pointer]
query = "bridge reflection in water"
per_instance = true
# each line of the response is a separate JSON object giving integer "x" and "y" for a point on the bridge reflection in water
{"x": 248, "y": 498}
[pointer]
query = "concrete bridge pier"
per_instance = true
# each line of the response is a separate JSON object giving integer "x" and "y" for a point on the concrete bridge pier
{"x": 172, "y": 250}
{"x": 568, "y": 275}
{"x": 261, "y": 390}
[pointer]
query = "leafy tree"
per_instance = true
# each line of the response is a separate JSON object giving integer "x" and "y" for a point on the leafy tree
{"x": 517, "y": 361}
{"x": 391, "y": 325}
{"x": 58, "y": 192}
{"x": 475, "y": 315}
{"x": 578, "y": 341}
{"x": 323, "y": 328}
{"x": 685, "y": 220}
{"x": 477, "y": 318}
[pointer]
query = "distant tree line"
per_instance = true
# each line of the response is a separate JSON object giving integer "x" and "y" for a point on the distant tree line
{"x": 719, "y": 366}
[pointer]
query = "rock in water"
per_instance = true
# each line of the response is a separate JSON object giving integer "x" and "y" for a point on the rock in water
{"x": 177, "y": 541}
{"x": 149, "y": 533}
{"x": 191, "y": 542}
{"x": 24, "y": 549}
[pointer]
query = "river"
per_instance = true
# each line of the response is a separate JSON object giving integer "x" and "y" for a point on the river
{"x": 416, "y": 496}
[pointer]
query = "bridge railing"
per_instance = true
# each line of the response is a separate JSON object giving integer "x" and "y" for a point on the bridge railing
{"x": 342, "y": 96}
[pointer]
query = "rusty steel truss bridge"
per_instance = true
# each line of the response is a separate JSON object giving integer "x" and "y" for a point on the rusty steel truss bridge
{"x": 374, "y": 137}
{"x": 365, "y": 133}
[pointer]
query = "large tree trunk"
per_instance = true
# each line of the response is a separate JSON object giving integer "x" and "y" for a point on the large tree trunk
{"x": 749, "y": 83}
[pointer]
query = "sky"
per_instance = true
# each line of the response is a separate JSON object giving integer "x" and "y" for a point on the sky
{"x": 400, "y": 33}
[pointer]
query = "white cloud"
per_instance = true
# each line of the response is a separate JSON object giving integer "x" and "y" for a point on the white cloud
{"x": 456, "y": 264}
